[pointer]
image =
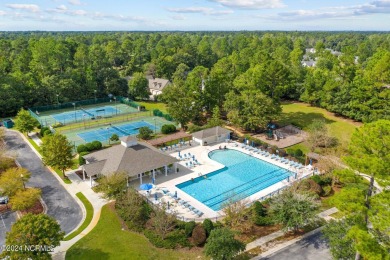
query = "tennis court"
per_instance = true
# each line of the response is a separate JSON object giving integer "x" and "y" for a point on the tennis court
{"x": 104, "y": 133}
{"x": 82, "y": 114}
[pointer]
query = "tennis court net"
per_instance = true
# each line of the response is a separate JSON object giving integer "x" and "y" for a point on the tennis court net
{"x": 120, "y": 130}
{"x": 85, "y": 111}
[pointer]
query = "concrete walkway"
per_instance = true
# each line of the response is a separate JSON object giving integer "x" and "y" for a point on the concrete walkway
{"x": 263, "y": 240}
{"x": 76, "y": 186}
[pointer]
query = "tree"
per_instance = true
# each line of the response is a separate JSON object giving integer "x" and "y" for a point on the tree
{"x": 293, "y": 210}
{"x": 162, "y": 222}
{"x": 39, "y": 232}
{"x": 114, "y": 138}
{"x": 251, "y": 109}
{"x": 236, "y": 213}
{"x": 221, "y": 244}
{"x": 112, "y": 184}
{"x": 145, "y": 133}
{"x": 12, "y": 180}
{"x": 133, "y": 209}
{"x": 341, "y": 246}
{"x": 369, "y": 153}
{"x": 57, "y": 152}
{"x": 215, "y": 120}
{"x": 25, "y": 199}
{"x": 24, "y": 122}
{"x": 138, "y": 86}
{"x": 319, "y": 136}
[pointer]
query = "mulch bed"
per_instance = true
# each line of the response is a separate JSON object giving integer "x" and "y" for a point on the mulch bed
{"x": 258, "y": 231}
{"x": 36, "y": 209}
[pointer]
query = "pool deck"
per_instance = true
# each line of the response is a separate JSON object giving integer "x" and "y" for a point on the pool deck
{"x": 208, "y": 165}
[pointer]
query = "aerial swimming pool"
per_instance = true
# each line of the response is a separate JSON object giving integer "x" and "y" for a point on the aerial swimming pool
{"x": 242, "y": 176}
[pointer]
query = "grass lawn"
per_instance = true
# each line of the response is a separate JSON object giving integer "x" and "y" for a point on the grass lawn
{"x": 302, "y": 115}
{"x": 88, "y": 218}
{"x": 108, "y": 241}
{"x": 149, "y": 105}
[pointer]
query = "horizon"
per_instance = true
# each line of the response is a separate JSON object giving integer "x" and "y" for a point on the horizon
{"x": 195, "y": 15}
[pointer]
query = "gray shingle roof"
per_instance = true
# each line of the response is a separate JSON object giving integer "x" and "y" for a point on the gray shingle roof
{"x": 157, "y": 83}
{"x": 214, "y": 131}
{"x": 133, "y": 160}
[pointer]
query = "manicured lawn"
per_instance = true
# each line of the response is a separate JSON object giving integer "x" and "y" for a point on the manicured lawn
{"x": 88, "y": 218}
{"x": 153, "y": 105}
{"x": 108, "y": 241}
{"x": 302, "y": 115}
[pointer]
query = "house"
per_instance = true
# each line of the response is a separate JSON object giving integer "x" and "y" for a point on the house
{"x": 211, "y": 135}
{"x": 135, "y": 158}
{"x": 156, "y": 85}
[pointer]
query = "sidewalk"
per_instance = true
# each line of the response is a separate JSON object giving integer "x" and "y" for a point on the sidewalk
{"x": 76, "y": 186}
{"x": 263, "y": 240}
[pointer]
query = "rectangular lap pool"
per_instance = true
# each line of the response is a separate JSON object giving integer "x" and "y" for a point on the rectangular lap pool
{"x": 242, "y": 176}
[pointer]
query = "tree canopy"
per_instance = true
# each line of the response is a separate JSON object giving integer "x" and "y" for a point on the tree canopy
{"x": 39, "y": 231}
{"x": 57, "y": 152}
{"x": 24, "y": 122}
{"x": 221, "y": 244}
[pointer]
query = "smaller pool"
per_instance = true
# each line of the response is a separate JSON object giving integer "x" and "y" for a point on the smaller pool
{"x": 242, "y": 176}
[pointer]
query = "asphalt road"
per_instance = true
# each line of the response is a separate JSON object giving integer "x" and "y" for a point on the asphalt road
{"x": 60, "y": 204}
{"x": 309, "y": 248}
{"x": 6, "y": 221}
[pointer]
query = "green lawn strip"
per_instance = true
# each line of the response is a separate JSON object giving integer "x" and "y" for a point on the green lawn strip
{"x": 75, "y": 162}
{"x": 34, "y": 144}
{"x": 109, "y": 241}
{"x": 149, "y": 105}
{"x": 88, "y": 218}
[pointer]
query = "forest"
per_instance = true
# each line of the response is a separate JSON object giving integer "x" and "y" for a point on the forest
{"x": 40, "y": 68}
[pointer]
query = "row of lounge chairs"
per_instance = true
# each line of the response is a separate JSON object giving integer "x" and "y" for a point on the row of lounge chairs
{"x": 273, "y": 156}
{"x": 185, "y": 156}
{"x": 195, "y": 211}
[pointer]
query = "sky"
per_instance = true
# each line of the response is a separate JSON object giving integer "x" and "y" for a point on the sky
{"x": 194, "y": 15}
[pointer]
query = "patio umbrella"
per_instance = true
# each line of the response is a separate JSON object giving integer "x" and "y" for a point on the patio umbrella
{"x": 175, "y": 193}
{"x": 155, "y": 196}
{"x": 146, "y": 186}
{"x": 153, "y": 180}
{"x": 168, "y": 204}
{"x": 179, "y": 153}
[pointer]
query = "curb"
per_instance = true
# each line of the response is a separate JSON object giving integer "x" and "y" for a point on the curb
{"x": 286, "y": 244}
{"x": 66, "y": 186}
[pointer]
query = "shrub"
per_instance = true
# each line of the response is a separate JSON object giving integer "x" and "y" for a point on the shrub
{"x": 89, "y": 146}
{"x": 194, "y": 128}
{"x": 298, "y": 153}
{"x": 176, "y": 237}
{"x": 145, "y": 133}
{"x": 157, "y": 112}
{"x": 168, "y": 117}
{"x": 97, "y": 145}
{"x": 189, "y": 226}
{"x": 47, "y": 132}
{"x": 208, "y": 226}
{"x": 317, "y": 179}
{"x": 259, "y": 209}
{"x": 114, "y": 138}
{"x": 263, "y": 221}
{"x": 42, "y": 131}
{"x": 167, "y": 129}
{"x": 81, "y": 159}
{"x": 327, "y": 190}
{"x": 82, "y": 148}
{"x": 199, "y": 235}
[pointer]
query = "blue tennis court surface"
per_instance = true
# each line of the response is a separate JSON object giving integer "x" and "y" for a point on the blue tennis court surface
{"x": 81, "y": 114}
{"x": 103, "y": 134}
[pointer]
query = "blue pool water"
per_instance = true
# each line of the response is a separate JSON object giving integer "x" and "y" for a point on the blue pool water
{"x": 104, "y": 133}
{"x": 242, "y": 176}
